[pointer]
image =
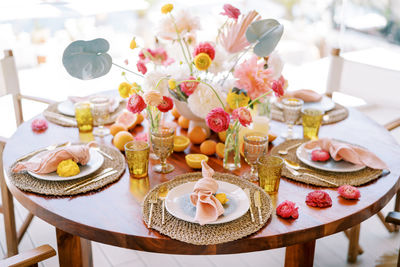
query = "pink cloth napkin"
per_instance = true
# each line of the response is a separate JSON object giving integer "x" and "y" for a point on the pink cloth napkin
{"x": 350, "y": 153}
{"x": 208, "y": 208}
{"x": 304, "y": 94}
{"x": 112, "y": 99}
{"x": 47, "y": 161}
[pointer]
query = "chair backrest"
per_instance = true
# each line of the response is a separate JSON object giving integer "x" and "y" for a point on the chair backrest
{"x": 375, "y": 85}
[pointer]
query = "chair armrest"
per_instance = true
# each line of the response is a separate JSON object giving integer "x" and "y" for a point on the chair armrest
{"x": 30, "y": 257}
{"x": 36, "y": 99}
{"x": 393, "y": 217}
{"x": 392, "y": 125}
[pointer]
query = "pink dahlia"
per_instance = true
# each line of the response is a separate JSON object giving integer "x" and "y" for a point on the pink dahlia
{"x": 218, "y": 120}
{"x": 135, "y": 104}
{"x": 205, "y": 47}
{"x": 39, "y": 125}
{"x": 243, "y": 115}
{"x": 252, "y": 77}
{"x": 349, "y": 192}
{"x": 287, "y": 209}
{"x": 141, "y": 66}
{"x": 231, "y": 11}
{"x": 189, "y": 87}
{"x": 318, "y": 199}
{"x": 166, "y": 104}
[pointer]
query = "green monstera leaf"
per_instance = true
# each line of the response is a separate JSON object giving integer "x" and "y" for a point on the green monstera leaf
{"x": 87, "y": 60}
{"x": 266, "y": 34}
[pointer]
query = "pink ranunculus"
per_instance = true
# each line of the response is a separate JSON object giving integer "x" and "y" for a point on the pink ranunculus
{"x": 218, "y": 120}
{"x": 166, "y": 104}
{"x": 252, "y": 77}
{"x": 318, "y": 199}
{"x": 189, "y": 87}
{"x": 205, "y": 47}
{"x": 349, "y": 192}
{"x": 135, "y": 104}
{"x": 287, "y": 209}
{"x": 243, "y": 115}
{"x": 231, "y": 11}
{"x": 39, "y": 125}
{"x": 278, "y": 87}
{"x": 320, "y": 155}
{"x": 141, "y": 66}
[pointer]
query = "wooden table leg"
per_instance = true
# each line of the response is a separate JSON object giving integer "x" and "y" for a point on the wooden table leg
{"x": 73, "y": 250}
{"x": 353, "y": 243}
{"x": 300, "y": 254}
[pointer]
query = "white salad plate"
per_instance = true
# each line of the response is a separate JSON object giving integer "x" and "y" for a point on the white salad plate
{"x": 67, "y": 107}
{"x": 324, "y": 105}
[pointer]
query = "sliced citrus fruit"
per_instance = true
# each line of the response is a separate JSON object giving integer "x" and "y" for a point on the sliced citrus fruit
{"x": 116, "y": 128}
{"x": 180, "y": 143}
{"x": 219, "y": 149}
{"x": 128, "y": 119}
{"x": 208, "y": 147}
{"x": 194, "y": 160}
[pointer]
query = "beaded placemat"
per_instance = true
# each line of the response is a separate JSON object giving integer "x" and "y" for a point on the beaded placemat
{"x": 208, "y": 234}
{"x": 53, "y": 115}
{"x": 338, "y": 113}
{"x": 351, "y": 178}
{"x": 26, "y": 182}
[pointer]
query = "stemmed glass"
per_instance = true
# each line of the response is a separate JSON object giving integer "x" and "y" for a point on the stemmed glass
{"x": 162, "y": 140}
{"x": 255, "y": 145}
{"x": 291, "y": 113}
{"x": 101, "y": 112}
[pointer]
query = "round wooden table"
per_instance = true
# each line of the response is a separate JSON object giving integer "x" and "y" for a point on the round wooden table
{"x": 113, "y": 215}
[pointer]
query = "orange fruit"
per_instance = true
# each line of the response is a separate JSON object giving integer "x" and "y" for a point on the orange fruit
{"x": 219, "y": 149}
{"x": 116, "y": 128}
{"x": 121, "y": 138}
{"x": 208, "y": 147}
{"x": 197, "y": 135}
{"x": 139, "y": 119}
{"x": 271, "y": 137}
{"x": 222, "y": 136}
{"x": 175, "y": 113}
{"x": 194, "y": 160}
{"x": 181, "y": 143}
{"x": 183, "y": 122}
{"x": 128, "y": 119}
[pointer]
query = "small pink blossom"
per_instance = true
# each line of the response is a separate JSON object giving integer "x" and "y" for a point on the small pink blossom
{"x": 287, "y": 209}
{"x": 231, "y": 11}
{"x": 349, "y": 192}
{"x": 279, "y": 86}
{"x": 141, "y": 66}
{"x": 143, "y": 136}
{"x": 39, "y": 125}
{"x": 205, "y": 47}
{"x": 135, "y": 104}
{"x": 158, "y": 56}
{"x": 189, "y": 87}
{"x": 243, "y": 115}
{"x": 318, "y": 199}
{"x": 218, "y": 120}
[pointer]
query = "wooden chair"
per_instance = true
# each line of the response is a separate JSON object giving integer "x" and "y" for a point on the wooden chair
{"x": 9, "y": 84}
{"x": 29, "y": 258}
{"x": 394, "y": 218}
{"x": 374, "y": 85}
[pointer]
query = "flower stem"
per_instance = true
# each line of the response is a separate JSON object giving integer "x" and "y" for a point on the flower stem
{"x": 140, "y": 75}
{"x": 220, "y": 30}
{"x": 261, "y": 96}
{"x": 181, "y": 45}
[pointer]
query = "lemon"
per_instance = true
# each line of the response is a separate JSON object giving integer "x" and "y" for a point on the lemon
{"x": 222, "y": 198}
{"x": 180, "y": 143}
{"x": 68, "y": 168}
{"x": 194, "y": 160}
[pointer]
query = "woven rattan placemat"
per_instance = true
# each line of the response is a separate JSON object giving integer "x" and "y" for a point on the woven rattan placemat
{"x": 207, "y": 234}
{"x": 338, "y": 113}
{"x": 53, "y": 115}
{"x": 26, "y": 182}
{"x": 352, "y": 178}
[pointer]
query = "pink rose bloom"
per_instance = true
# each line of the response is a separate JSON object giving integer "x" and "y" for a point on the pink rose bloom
{"x": 318, "y": 199}
{"x": 218, "y": 120}
{"x": 231, "y": 11}
{"x": 189, "y": 87}
{"x": 252, "y": 77}
{"x": 349, "y": 192}
{"x": 39, "y": 125}
{"x": 141, "y": 66}
{"x": 205, "y": 48}
{"x": 135, "y": 104}
{"x": 244, "y": 116}
{"x": 287, "y": 209}
{"x": 166, "y": 104}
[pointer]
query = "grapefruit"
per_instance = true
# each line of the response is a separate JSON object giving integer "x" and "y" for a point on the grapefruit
{"x": 116, "y": 128}
{"x": 208, "y": 147}
{"x": 121, "y": 138}
{"x": 128, "y": 119}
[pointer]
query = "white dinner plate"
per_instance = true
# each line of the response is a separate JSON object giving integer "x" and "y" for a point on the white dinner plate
{"x": 67, "y": 107}
{"x": 325, "y": 104}
{"x": 304, "y": 155}
{"x": 95, "y": 162}
{"x": 178, "y": 202}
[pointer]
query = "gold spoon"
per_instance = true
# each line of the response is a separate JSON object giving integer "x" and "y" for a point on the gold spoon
{"x": 295, "y": 166}
{"x": 162, "y": 194}
{"x": 286, "y": 150}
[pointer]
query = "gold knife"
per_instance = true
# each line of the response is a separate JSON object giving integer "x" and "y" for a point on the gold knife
{"x": 257, "y": 203}
{"x": 93, "y": 180}
{"x": 68, "y": 188}
{"x": 247, "y": 191}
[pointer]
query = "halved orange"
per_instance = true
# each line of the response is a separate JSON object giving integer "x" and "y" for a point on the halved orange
{"x": 194, "y": 160}
{"x": 180, "y": 143}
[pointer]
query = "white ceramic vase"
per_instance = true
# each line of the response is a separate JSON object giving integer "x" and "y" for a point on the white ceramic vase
{"x": 185, "y": 111}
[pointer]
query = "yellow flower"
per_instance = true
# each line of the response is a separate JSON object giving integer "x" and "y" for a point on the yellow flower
{"x": 202, "y": 61}
{"x": 165, "y": 9}
{"x": 125, "y": 89}
{"x": 67, "y": 168}
{"x": 172, "y": 84}
{"x": 133, "y": 43}
{"x": 237, "y": 99}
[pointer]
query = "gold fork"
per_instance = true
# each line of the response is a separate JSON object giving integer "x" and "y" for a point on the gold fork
{"x": 49, "y": 148}
{"x": 152, "y": 200}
